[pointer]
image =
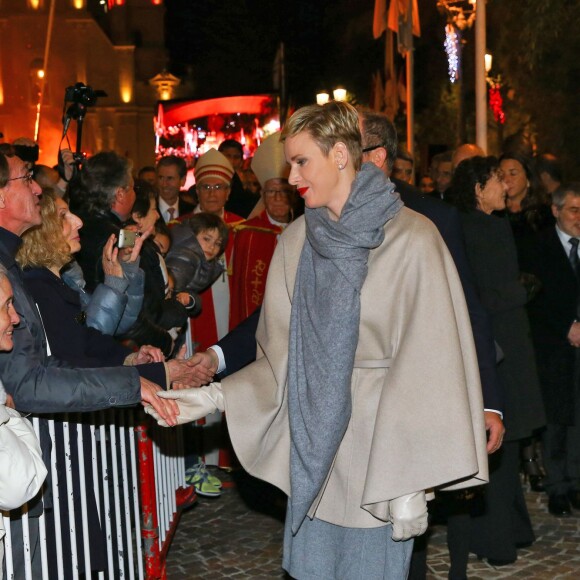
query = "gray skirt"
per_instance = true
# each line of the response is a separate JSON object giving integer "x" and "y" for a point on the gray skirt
{"x": 323, "y": 551}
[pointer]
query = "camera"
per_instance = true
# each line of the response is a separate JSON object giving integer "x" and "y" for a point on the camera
{"x": 126, "y": 239}
{"x": 81, "y": 94}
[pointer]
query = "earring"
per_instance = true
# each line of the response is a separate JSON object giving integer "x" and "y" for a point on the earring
{"x": 341, "y": 167}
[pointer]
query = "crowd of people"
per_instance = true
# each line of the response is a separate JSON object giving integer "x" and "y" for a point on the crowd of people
{"x": 341, "y": 343}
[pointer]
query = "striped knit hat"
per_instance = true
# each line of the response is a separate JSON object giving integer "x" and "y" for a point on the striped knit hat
{"x": 213, "y": 164}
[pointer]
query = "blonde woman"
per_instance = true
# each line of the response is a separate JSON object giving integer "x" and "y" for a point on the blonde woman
{"x": 355, "y": 404}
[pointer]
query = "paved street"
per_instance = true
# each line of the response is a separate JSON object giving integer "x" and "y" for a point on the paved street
{"x": 227, "y": 538}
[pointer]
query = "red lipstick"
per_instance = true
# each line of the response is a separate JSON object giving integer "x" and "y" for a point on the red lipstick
{"x": 302, "y": 191}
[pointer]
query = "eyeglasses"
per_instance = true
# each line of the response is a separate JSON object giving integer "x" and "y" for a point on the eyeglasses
{"x": 273, "y": 192}
{"x": 28, "y": 178}
{"x": 373, "y": 147}
{"x": 207, "y": 187}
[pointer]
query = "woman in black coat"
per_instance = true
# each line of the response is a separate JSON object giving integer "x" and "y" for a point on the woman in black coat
{"x": 478, "y": 190}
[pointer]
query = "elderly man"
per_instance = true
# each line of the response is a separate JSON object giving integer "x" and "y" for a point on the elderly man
{"x": 256, "y": 239}
{"x": 171, "y": 176}
{"x": 443, "y": 174}
{"x": 554, "y": 318}
{"x": 37, "y": 382}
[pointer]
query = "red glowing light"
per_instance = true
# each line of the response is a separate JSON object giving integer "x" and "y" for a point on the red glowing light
{"x": 496, "y": 103}
{"x": 174, "y": 113}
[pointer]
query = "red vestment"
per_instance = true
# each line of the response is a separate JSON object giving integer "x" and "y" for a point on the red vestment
{"x": 254, "y": 245}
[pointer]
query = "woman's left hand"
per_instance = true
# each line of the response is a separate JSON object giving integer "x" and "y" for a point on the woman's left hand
{"x": 111, "y": 265}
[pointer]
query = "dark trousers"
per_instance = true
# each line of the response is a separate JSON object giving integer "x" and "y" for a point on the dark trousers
{"x": 562, "y": 458}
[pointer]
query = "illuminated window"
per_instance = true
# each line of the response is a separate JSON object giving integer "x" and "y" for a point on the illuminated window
{"x": 78, "y": 4}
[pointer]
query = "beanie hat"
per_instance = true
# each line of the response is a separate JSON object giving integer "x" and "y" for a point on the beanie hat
{"x": 213, "y": 164}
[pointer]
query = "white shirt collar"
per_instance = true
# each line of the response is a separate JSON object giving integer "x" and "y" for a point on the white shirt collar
{"x": 564, "y": 240}
{"x": 164, "y": 206}
{"x": 274, "y": 222}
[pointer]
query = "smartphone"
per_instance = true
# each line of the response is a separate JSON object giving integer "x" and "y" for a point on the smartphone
{"x": 126, "y": 239}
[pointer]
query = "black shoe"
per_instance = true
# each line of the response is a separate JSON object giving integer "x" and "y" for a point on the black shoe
{"x": 574, "y": 498}
{"x": 498, "y": 563}
{"x": 559, "y": 506}
{"x": 536, "y": 483}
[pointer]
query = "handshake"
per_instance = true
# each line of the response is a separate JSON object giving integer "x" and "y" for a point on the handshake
{"x": 192, "y": 404}
{"x": 182, "y": 374}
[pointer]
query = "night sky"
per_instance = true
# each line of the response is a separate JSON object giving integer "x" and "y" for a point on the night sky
{"x": 231, "y": 45}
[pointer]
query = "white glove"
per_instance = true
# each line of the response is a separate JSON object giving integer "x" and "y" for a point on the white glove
{"x": 193, "y": 404}
{"x": 408, "y": 516}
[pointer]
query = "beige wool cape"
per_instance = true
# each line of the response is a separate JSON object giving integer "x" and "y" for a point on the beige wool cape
{"x": 417, "y": 411}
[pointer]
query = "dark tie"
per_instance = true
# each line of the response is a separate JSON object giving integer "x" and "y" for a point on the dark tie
{"x": 171, "y": 213}
{"x": 573, "y": 256}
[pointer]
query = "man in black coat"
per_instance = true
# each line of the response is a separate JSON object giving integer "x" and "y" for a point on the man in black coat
{"x": 554, "y": 317}
{"x": 104, "y": 199}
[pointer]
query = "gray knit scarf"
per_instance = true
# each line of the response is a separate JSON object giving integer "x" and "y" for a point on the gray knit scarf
{"x": 324, "y": 328}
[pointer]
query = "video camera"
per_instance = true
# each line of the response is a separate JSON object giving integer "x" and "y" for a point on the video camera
{"x": 80, "y": 96}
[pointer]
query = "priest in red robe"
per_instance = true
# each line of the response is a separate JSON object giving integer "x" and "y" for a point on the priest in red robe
{"x": 256, "y": 239}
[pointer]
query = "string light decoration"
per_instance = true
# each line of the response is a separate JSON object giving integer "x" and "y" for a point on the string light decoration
{"x": 453, "y": 49}
{"x": 496, "y": 103}
{"x": 460, "y": 16}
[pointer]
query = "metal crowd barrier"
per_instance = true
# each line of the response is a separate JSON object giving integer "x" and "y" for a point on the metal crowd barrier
{"x": 117, "y": 488}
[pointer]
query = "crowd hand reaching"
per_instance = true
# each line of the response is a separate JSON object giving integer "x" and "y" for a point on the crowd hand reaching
{"x": 183, "y": 298}
{"x": 408, "y": 515}
{"x": 165, "y": 410}
{"x": 203, "y": 368}
{"x": 130, "y": 255}
{"x": 193, "y": 404}
{"x": 188, "y": 372}
{"x": 145, "y": 355}
{"x": 111, "y": 265}
{"x": 69, "y": 164}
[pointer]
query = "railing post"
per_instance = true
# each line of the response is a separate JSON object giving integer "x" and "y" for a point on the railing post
{"x": 149, "y": 525}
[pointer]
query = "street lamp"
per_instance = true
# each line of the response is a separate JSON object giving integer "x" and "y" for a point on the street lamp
{"x": 488, "y": 62}
{"x": 339, "y": 94}
{"x": 322, "y": 98}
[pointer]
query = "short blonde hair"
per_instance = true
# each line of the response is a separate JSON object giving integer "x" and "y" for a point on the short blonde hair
{"x": 44, "y": 246}
{"x": 328, "y": 124}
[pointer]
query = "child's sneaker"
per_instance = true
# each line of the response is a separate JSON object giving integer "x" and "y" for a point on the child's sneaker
{"x": 204, "y": 483}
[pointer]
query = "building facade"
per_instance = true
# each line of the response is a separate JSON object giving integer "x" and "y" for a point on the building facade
{"x": 115, "y": 46}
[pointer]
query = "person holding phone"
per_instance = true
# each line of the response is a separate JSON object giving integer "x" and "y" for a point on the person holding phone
{"x": 104, "y": 198}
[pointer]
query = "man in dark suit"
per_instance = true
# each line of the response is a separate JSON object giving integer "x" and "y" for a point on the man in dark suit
{"x": 554, "y": 317}
{"x": 171, "y": 176}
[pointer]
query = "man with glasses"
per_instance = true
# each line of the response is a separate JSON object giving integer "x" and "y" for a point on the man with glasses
{"x": 37, "y": 381}
{"x": 213, "y": 176}
{"x": 256, "y": 239}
